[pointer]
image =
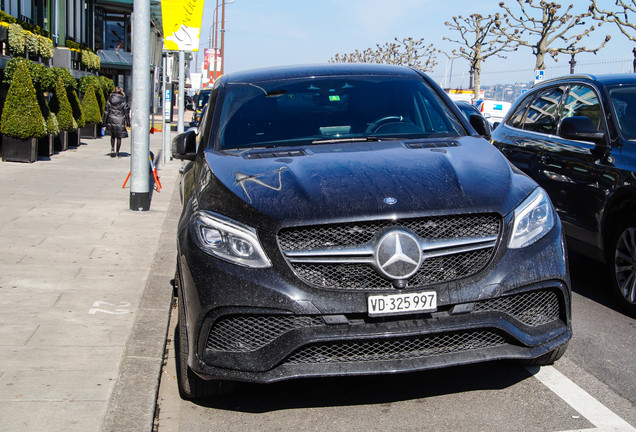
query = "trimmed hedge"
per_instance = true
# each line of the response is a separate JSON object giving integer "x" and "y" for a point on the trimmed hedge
{"x": 21, "y": 116}
{"x": 61, "y": 106}
{"x": 78, "y": 112}
{"x": 90, "y": 108}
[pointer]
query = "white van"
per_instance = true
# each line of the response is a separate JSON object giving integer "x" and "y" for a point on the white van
{"x": 494, "y": 110}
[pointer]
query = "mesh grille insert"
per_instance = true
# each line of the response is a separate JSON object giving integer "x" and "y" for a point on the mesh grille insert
{"x": 243, "y": 333}
{"x": 395, "y": 349}
{"x": 532, "y": 308}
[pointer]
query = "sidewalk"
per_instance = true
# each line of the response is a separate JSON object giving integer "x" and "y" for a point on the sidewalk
{"x": 85, "y": 290}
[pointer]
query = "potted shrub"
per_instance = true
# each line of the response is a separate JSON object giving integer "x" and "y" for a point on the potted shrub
{"x": 22, "y": 121}
{"x": 46, "y": 48}
{"x": 32, "y": 44}
{"x": 44, "y": 81}
{"x": 17, "y": 39}
{"x": 61, "y": 107}
{"x": 78, "y": 115}
{"x": 92, "y": 115}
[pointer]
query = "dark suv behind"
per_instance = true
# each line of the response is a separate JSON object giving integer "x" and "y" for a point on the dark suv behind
{"x": 576, "y": 136}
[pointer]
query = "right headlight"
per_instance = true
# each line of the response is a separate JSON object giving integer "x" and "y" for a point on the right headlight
{"x": 533, "y": 219}
{"x": 227, "y": 239}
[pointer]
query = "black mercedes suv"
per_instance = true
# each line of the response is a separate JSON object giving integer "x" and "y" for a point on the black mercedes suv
{"x": 576, "y": 136}
{"x": 348, "y": 219}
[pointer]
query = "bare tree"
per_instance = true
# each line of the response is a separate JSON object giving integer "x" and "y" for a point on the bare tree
{"x": 620, "y": 17}
{"x": 542, "y": 26}
{"x": 407, "y": 52}
{"x": 478, "y": 41}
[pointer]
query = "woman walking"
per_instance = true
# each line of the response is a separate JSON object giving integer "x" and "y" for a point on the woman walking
{"x": 116, "y": 118}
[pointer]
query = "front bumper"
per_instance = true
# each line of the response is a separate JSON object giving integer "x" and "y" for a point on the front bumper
{"x": 248, "y": 345}
{"x": 265, "y": 326}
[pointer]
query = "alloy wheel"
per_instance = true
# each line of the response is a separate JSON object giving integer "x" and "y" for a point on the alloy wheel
{"x": 625, "y": 264}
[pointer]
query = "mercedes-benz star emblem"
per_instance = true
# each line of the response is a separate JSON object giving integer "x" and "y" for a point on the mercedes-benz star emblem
{"x": 398, "y": 255}
{"x": 390, "y": 200}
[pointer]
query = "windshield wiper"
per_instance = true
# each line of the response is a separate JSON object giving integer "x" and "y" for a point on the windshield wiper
{"x": 344, "y": 140}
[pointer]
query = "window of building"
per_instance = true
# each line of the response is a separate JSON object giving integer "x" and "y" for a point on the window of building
{"x": 115, "y": 31}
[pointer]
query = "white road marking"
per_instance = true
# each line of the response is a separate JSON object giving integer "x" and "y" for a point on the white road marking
{"x": 595, "y": 412}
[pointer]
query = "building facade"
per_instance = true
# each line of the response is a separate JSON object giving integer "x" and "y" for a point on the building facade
{"x": 104, "y": 27}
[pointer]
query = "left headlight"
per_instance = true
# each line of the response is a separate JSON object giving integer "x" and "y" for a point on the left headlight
{"x": 228, "y": 240}
{"x": 534, "y": 218}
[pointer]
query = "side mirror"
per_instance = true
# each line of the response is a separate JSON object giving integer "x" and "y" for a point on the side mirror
{"x": 581, "y": 128}
{"x": 184, "y": 146}
{"x": 481, "y": 125}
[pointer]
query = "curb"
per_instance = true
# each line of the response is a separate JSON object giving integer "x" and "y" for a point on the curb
{"x": 132, "y": 403}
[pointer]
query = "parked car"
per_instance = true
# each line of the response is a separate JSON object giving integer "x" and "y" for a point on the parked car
{"x": 201, "y": 102}
{"x": 494, "y": 110}
{"x": 576, "y": 136}
{"x": 469, "y": 109}
{"x": 347, "y": 219}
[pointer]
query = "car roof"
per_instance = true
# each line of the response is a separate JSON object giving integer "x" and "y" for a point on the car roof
{"x": 320, "y": 70}
{"x": 606, "y": 79}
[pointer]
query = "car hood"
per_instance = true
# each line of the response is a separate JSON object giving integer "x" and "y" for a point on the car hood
{"x": 364, "y": 180}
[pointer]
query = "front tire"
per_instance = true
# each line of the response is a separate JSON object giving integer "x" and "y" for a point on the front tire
{"x": 622, "y": 264}
{"x": 191, "y": 386}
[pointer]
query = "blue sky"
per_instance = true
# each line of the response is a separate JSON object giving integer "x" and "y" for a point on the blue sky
{"x": 261, "y": 33}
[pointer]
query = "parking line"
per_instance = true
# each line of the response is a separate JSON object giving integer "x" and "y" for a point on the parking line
{"x": 586, "y": 405}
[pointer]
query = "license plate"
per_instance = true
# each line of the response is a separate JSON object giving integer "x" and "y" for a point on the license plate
{"x": 394, "y": 304}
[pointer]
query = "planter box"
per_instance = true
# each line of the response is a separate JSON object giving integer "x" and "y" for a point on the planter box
{"x": 61, "y": 141}
{"x": 89, "y": 131}
{"x": 19, "y": 150}
{"x": 46, "y": 145}
{"x": 74, "y": 138}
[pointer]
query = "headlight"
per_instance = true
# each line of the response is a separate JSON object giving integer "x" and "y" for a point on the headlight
{"x": 534, "y": 217}
{"x": 228, "y": 240}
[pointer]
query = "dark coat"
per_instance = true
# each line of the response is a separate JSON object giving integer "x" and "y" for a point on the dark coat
{"x": 116, "y": 116}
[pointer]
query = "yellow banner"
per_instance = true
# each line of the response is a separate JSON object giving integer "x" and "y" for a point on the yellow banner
{"x": 181, "y": 24}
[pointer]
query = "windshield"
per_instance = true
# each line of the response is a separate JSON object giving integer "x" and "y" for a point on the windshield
{"x": 624, "y": 101}
{"x": 203, "y": 99}
{"x": 320, "y": 110}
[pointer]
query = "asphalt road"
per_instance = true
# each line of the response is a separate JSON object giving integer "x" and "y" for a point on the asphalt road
{"x": 593, "y": 387}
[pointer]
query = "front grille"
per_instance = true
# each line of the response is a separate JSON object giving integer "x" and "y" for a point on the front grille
{"x": 340, "y": 273}
{"x": 533, "y": 308}
{"x": 395, "y": 349}
{"x": 246, "y": 333}
{"x": 364, "y": 277}
{"x": 357, "y": 233}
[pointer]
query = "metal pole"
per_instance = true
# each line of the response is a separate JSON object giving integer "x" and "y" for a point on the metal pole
{"x": 181, "y": 100}
{"x": 139, "y": 161}
{"x": 222, "y": 36}
{"x": 216, "y": 30}
{"x": 165, "y": 127}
